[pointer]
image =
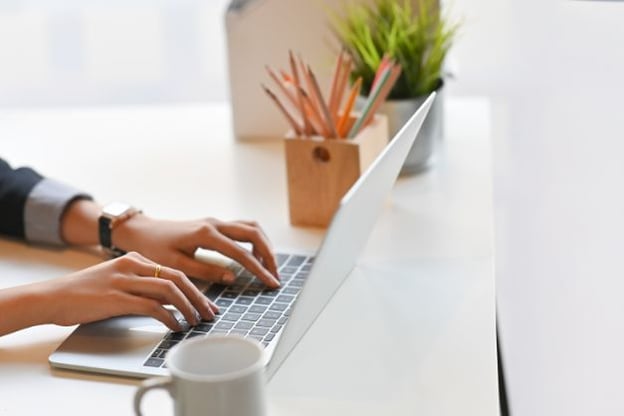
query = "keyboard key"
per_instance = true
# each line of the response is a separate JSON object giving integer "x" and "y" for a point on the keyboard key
{"x": 282, "y": 320}
{"x": 236, "y": 287}
{"x": 251, "y": 317}
{"x": 281, "y": 258}
{"x": 193, "y": 334}
{"x": 288, "y": 312}
{"x": 268, "y": 323}
{"x": 269, "y": 336}
{"x": 296, "y": 261}
{"x": 295, "y": 283}
{"x": 265, "y": 344}
{"x": 278, "y": 307}
{"x": 306, "y": 268}
{"x": 272, "y": 315}
{"x": 301, "y": 275}
{"x": 154, "y": 362}
{"x": 218, "y": 332}
{"x": 259, "y": 331}
{"x": 214, "y": 290}
{"x": 258, "y": 338}
{"x": 231, "y": 317}
{"x": 310, "y": 260}
{"x": 224, "y": 325}
{"x": 229, "y": 295}
{"x": 244, "y": 301}
{"x": 276, "y": 328}
{"x": 165, "y": 345}
{"x": 157, "y": 352}
{"x": 176, "y": 336}
{"x": 270, "y": 292}
{"x": 241, "y": 332}
{"x": 290, "y": 290}
{"x": 244, "y": 325}
{"x": 263, "y": 300}
{"x": 223, "y": 303}
{"x": 250, "y": 292}
{"x": 285, "y": 277}
{"x": 256, "y": 285}
{"x": 257, "y": 309}
{"x": 203, "y": 327}
{"x": 237, "y": 309}
{"x": 284, "y": 298}
{"x": 289, "y": 270}
{"x": 163, "y": 354}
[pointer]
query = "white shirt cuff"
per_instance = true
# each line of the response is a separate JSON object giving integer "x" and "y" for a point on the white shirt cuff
{"x": 44, "y": 210}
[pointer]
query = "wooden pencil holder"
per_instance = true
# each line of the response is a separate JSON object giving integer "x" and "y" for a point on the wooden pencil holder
{"x": 320, "y": 171}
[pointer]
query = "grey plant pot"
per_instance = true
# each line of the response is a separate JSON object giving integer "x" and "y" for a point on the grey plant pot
{"x": 422, "y": 153}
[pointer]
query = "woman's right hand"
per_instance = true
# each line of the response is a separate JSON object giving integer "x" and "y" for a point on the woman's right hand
{"x": 124, "y": 286}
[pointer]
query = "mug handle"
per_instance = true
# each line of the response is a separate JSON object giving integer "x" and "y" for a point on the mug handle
{"x": 152, "y": 383}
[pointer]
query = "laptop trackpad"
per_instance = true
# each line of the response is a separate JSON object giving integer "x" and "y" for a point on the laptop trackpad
{"x": 129, "y": 334}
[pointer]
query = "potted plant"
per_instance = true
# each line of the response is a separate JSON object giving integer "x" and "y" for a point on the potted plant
{"x": 418, "y": 38}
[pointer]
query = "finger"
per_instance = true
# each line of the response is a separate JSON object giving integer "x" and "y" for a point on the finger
{"x": 165, "y": 292}
{"x": 229, "y": 248}
{"x": 203, "y": 304}
{"x": 138, "y": 305}
{"x": 205, "y": 271}
{"x": 252, "y": 233}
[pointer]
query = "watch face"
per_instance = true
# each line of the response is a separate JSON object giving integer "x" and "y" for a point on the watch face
{"x": 115, "y": 209}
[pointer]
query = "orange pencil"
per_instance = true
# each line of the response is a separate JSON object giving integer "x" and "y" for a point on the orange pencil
{"x": 346, "y": 112}
{"x": 315, "y": 115}
{"x": 343, "y": 83}
{"x": 282, "y": 87}
{"x": 319, "y": 96}
{"x": 291, "y": 120}
{"x": 309, "y": 88}
{"x": 306, "y": 123}
{"x": 333, "y": 90}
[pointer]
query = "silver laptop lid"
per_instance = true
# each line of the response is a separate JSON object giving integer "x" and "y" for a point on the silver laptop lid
{"x": 347, "y": 235}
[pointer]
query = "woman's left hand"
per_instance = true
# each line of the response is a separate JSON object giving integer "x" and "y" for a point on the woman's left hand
{"x": 174, "y": 243}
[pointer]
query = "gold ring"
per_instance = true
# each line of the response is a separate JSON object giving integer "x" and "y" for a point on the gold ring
{"x": 157, "y": 270}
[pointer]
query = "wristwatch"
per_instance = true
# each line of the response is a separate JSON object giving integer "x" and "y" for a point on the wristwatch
{"x": 112, "y": 215}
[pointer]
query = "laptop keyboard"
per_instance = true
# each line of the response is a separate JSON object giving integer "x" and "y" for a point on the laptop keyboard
{"x": 246, "y": 308}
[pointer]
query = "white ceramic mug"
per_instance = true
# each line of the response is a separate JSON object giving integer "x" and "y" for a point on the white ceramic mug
{"x": 213, "y": 376}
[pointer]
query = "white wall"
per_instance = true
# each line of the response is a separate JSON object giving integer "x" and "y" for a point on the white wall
{"x": 111, "y": 52}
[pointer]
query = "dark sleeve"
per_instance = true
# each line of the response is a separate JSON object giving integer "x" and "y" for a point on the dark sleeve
{"x": 15, "y": 186}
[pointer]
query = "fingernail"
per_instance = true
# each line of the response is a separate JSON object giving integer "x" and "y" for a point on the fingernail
{"x": 227, "y": 279}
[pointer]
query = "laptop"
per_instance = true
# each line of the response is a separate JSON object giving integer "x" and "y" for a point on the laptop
{"x": 135, "y": 346}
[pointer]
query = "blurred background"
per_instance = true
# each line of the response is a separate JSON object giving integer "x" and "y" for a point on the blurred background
{"x": 99, "y": 52}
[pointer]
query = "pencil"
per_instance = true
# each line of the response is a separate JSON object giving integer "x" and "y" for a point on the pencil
{"x": 369, "y": 103}
{"x": 315, "y": 115}
{"x": 328, "y": 118}
{"x": 291, "y": 120}
{"x": 344, "y": 81}
{"x": 295, "y": 75}
{"x": 282, "y": 87}
{"x": 346, "y": 112}
{"x": 395, "y": 72}
{"x": 382, "y": 65}
{"x": 333, "y": 91}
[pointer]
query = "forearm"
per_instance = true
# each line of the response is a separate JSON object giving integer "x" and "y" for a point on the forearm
{"x": 79, "y": 225}
{"x": 22, "y": 307}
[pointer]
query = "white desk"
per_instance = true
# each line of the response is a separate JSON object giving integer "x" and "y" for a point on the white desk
{"x": 420, "y": 304}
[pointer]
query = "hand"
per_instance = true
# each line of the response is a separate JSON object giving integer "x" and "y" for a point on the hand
{"x": 124, "y": 286}
{"x": 173, "y": 243}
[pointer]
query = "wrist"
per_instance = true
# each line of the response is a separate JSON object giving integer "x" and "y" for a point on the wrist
{"x": 16, "y": 307}
{"x": 112, "y": 217}
{"x": 125, "y": 235}
{"x": 79, "y": 223}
